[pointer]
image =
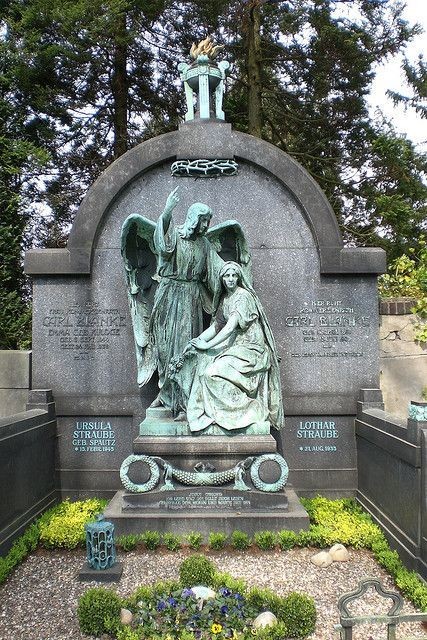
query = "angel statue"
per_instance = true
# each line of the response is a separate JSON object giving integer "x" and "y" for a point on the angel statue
{"x": 237, "y": 383}
{"x": 172, "y": 278}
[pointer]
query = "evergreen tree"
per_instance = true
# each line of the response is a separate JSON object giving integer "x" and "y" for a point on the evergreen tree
{"x": 88, "y": 72}
{"x": 19, "y": 156}
{"x": 416, "y": 77}
{"x": 391, "y": 198}
{"x": 100, "y": 76}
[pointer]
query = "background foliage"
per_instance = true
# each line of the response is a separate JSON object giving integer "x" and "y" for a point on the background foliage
{"x": 407, "y": 277}
{"x": 83, "y": 81}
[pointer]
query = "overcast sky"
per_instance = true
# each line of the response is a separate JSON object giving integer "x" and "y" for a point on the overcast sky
{"x": 389, "y": 76}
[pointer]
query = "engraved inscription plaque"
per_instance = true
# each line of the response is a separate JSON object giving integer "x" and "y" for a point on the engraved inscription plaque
{"x": 326, "y": 329}
{"x": 205, "y": 499}
{"x": 82, "y": 329}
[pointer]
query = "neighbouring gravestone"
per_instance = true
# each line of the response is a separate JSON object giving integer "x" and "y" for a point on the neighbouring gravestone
{"x": 319, "y": 297}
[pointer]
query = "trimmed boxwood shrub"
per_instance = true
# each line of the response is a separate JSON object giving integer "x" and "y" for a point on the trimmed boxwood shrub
{"x": 195, "y": 570}
{"x": 240, "y": 540}
{"x": 151, "y": 539}
{"x": 299, "y": 614}
{"x": 97, "y": 610}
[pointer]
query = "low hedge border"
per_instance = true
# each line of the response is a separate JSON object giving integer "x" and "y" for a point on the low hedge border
{"x": 332, "y": 521}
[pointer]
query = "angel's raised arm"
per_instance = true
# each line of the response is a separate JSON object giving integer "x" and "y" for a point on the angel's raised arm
{"x": 171, "y": 202}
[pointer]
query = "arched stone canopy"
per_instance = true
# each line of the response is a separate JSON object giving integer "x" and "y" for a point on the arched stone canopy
{"x": 205, "y": 139}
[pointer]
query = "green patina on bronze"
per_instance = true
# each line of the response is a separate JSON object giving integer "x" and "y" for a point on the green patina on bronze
{"x": 200, "y": 478}
{"x": 418, "y": 411}
{"x": 224, "y": 378}
{"x": 204, "y": 168}
{"x": 236, "y": 383}
{"x": 205, "y": 79}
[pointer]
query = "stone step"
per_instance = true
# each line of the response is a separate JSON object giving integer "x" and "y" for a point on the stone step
{"x": 128, "y": 520}
{"x": 163, "y": 428}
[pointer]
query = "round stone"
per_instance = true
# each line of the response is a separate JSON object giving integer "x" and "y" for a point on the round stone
{"x": 322, "y": 559}
{"x": 203, "y": 593}
{"x": 265, "y": 619}
{"x": 339, "y": 553}
{"x": 126, "y": 616}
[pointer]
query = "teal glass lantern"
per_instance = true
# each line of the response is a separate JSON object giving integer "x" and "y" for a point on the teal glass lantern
{"x": 100, "y": 547}
{"x": 418, "y": 411}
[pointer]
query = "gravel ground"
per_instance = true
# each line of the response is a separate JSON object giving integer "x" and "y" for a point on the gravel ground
{"x": 39, "y": 600}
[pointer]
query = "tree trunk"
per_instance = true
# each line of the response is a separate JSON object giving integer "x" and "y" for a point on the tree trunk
{"x": 119, "y": 85}
{"x": 254, "y": 69}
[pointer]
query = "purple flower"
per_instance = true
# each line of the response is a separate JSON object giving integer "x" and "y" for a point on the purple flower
{"x": 161, "y": 605}
{"x": 238, "y": 596}
{"x": 224, "y": 609}
{"x": 172, "y": 602}
{"x": 225, "y": 592}
{"x": 197, "y": 634}
{"x": 187, "y": 593}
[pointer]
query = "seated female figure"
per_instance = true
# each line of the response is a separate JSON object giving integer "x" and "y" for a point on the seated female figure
{"x": 237, "y": 383}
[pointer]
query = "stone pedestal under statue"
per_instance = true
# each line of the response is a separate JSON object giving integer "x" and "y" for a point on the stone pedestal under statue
{"x": 165, "y": 480}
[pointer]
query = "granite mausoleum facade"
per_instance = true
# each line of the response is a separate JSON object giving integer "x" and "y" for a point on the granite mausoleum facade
{"x": 320, "y": 298}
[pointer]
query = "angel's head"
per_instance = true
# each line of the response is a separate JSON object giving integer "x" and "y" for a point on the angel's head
{"x": 197, "y": 221}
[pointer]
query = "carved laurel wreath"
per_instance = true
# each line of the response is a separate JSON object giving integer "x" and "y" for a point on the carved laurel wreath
{"x": 146, "y": 486}
{"x": 273, "y": 486}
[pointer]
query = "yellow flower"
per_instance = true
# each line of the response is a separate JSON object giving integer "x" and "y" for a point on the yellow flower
{"x": 216, "y": 628}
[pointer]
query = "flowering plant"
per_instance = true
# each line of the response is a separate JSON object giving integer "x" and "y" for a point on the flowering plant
{"x": 227, "y": 615}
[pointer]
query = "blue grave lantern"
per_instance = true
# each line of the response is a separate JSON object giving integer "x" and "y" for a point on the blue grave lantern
{"x": 100, "y": 547}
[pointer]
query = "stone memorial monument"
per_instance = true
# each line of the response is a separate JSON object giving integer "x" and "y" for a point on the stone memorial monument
{"x": 197, "y": 362}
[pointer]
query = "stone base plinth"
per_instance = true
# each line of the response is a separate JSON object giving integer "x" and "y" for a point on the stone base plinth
{"x": 159, "y": 422}
{"x": 220, "y": 451}
{"x": 193, "y": 445}
{"x": 205, "y": 499}
{"x": 180, "y": 502}
{"x": 206, "y": 509}
{"x": 112, "y": 574}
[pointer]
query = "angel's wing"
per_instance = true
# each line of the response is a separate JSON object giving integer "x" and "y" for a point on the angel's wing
{"x": 140, "y": 263}
{"x": 230, "y": 243}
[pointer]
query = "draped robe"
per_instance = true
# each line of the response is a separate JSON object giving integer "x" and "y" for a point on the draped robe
{"x": 188, "y": 270}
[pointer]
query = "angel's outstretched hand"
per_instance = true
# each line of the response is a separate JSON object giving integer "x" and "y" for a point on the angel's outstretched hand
{"x": 172, "y": 200}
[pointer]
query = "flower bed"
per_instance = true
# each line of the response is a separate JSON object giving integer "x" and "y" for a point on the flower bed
{"x": 222, "y": 607}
